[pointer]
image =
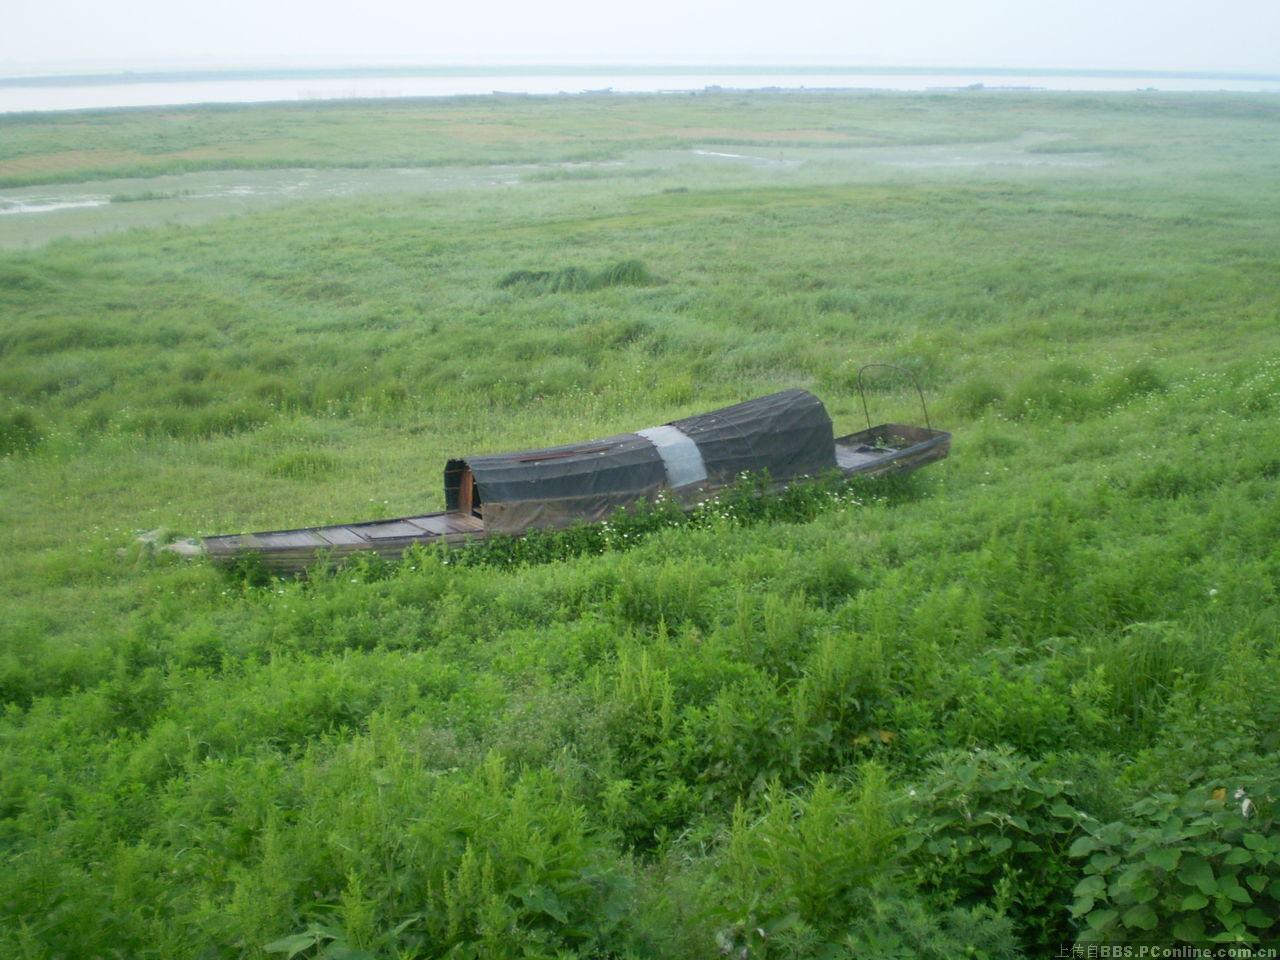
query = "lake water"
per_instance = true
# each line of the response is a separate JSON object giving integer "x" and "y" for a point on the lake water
{"x": 76, "y": 94}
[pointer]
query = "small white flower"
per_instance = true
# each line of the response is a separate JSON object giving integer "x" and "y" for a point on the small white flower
{"x": 1247, "y": 809}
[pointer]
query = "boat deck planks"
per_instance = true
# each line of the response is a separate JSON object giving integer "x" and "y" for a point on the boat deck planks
{"x": 340, "y": 536}
{"x": 292, "y": 551}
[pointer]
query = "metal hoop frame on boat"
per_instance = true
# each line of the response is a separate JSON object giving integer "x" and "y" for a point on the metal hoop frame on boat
{"x": 890, "y": 366}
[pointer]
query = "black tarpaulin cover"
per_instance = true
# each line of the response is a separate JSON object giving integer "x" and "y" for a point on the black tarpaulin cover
{"x": 555, "y": 486}
{"x": 785, "y": 434}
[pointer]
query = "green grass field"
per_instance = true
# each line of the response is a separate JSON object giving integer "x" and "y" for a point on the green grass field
{"x": 1029, "y": 697}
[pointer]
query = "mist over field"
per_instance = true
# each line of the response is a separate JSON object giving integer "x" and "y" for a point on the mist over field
{"x": 1024, "y": 700}
{"x": 71, "y": 35}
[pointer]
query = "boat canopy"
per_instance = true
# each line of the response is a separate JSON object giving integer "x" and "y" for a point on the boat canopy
{"x": 786, "y": 435}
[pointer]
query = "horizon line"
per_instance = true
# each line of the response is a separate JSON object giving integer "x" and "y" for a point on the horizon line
{"x": 133, "y": 76}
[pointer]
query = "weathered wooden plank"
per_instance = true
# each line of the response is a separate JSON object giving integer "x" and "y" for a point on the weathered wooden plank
{"x": 341, "y": 536}
{"x": 388, "y": 530}
{"x": 466, "y": 492}
{"x": 434, "y": 523}
{"x": 228, "y": 543}
{"x": 290, "y": 539}
{"x": 460, "y": 523}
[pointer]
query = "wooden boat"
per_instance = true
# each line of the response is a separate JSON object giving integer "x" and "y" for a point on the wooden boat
{"x": 787, "y": 436}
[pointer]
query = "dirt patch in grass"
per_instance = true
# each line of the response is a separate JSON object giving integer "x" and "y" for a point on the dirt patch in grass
{"x": 67, "y": 160}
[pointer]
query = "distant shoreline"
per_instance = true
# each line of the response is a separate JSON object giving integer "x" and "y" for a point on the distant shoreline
{"x": 158, "y": 89}
{"x": 588, "y": 70}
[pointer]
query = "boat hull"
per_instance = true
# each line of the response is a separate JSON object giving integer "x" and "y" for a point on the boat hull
{"x": 889, "y": 448}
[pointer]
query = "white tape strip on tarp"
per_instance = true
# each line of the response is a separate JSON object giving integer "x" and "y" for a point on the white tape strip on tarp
{"x": 680, "y": 455}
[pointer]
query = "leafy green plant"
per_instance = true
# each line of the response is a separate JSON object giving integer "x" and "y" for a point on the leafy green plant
{"x": 808, "y": 863}
{"x": 992, "y": 826}
{"x": 1201, "y": 866}
{"x": 819, "y": 874}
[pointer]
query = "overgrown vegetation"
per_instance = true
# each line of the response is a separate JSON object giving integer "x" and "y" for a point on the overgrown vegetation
{"x": 141, "y": 196}
{"x": 1202, "y": 866}
{"x": 625, "y": 273}
{"x": 1029, "y": 698}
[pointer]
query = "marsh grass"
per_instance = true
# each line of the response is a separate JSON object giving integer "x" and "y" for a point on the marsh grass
{"x": 874, "y": 727}
{"x": 19, "y": 431}
{"x": 606, "y": 172}
{"x": 624, "y": 273}
{"x": 142, "y": 196}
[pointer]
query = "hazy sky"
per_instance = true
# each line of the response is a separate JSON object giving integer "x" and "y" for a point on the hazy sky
{"x": 1239, "y": 35}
